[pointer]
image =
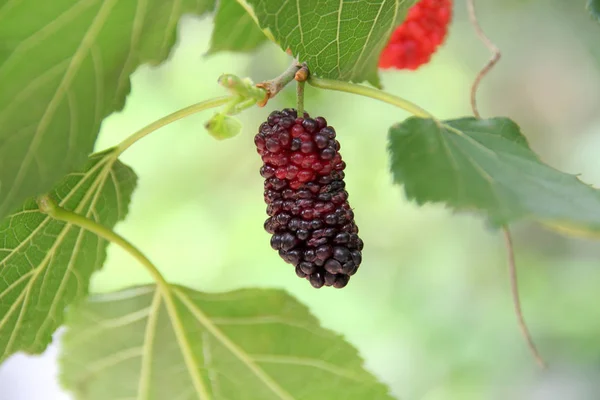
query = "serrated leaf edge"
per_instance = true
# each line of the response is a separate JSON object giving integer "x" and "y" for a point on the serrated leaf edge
{"x": 560, "y": 226}
{"x": 210, "y": 325}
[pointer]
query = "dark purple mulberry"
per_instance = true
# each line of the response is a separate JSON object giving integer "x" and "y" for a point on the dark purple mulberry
{"x": 310, "y": 219}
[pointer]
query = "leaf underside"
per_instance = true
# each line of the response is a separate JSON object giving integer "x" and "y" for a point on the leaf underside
{"x": 46, "y": 264}
{"x": 245, "y": 344}
{"x": 487, "y": 165}
{"x": 64, "y": 66}
{"x": 338, "y": 39}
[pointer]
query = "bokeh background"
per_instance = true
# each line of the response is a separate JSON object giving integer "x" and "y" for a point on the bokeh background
{"x": 430, "y": 308}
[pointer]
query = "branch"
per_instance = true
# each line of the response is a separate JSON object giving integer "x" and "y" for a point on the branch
{"x": 490, "y": 64}
{"x": 274, "y": 86}
{"x": 514, "y": 290}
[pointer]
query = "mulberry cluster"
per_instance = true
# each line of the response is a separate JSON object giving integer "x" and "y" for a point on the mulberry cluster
{"x": 419, "y": 36}
{"x": 311, "y": 222}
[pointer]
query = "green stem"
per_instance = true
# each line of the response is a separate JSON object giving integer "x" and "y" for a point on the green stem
{"x": 48, "y": 206}
{"x": 300, "y": 97}
{"x": 241, "y": 106}
{"x": 177, "y": 115}
{"x": 376, "y": 94}
{"x": 242, "y": 87}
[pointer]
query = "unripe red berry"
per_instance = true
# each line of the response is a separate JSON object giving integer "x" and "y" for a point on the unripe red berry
{"x": 419, "y": 36}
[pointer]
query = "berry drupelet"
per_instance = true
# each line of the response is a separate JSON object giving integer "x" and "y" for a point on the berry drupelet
{"x": 311, "y": 222}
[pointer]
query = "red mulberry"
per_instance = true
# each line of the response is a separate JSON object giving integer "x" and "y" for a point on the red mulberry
{"x": 419, "y": 36}
{"x": 311, "y": 222}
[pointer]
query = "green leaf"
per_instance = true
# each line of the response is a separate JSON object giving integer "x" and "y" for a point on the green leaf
{"x": 338, "y": 39}
{"x": 235, "y": 29}
{"x": 64, "y": 66}
{"x": 593, "y": 7}
{"x": 487, "y": 165}
{"x": 46, "y": 264}
{"x": 245, "y": 344}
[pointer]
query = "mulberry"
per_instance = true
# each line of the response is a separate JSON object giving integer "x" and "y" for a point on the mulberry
{"x": 310, "y": 219}
{"x": 418, "y": 37}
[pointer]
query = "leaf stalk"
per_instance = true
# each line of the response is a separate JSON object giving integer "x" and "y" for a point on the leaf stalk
{"x": 48, "y": 206}
{"x": 177, "y": 115}
{"x": 366, "y": 91}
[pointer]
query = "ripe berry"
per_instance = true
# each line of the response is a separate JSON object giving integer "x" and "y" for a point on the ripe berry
{"x": 310, "y": 218}
{"x": 419, "y": 36}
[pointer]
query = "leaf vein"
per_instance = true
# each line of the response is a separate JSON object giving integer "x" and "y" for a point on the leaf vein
{"x": 146, "y": 362}
{"x": 52, "y": 106}
{"x": 232, "y": 347}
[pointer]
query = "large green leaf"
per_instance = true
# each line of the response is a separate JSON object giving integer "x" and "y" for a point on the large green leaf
{"x": 487, "y": 165}
{"x": 46, "y": 264}
{"x": 338, "y": 39}
{"x": 235, "y": 29}
{"x": 246, "y": 344}
{"x": 64, "y": 66}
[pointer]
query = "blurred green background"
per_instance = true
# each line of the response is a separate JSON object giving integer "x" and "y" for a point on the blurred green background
{"x": 430, "y": 308}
